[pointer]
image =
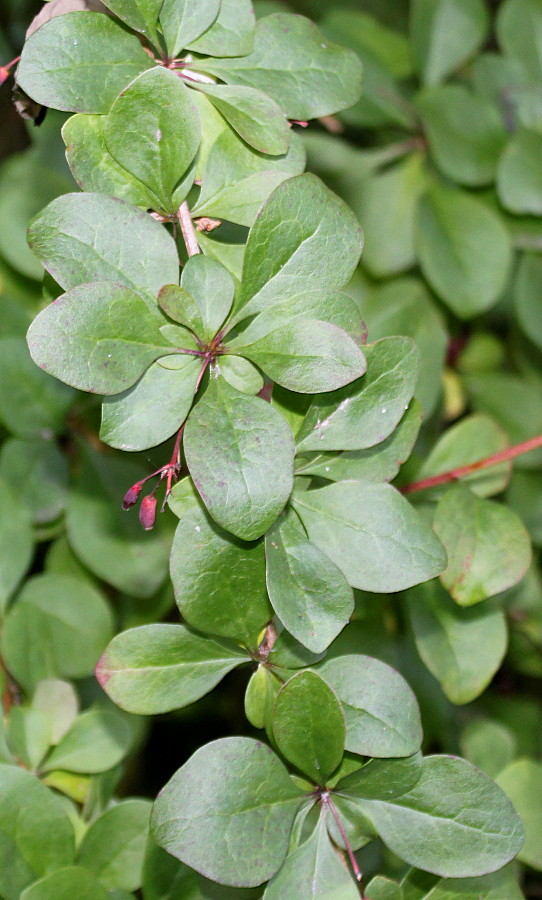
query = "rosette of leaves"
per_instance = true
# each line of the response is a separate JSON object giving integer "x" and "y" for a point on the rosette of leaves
{"x": 191, "y": 358}
{"x": 206, "y": 64}
{"x": 286, "y": 827}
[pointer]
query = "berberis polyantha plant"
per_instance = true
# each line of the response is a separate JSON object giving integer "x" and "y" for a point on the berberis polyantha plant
{"x": 288, "y": 426}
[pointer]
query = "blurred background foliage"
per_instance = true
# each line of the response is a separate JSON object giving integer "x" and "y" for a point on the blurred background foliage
{"x": 441, "y": 160}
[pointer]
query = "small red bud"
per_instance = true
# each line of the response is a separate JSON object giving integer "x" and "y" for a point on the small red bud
{"x": 147, "y": 512}
{"x": 4, "y": 74}
{"x": 132, "y": 495}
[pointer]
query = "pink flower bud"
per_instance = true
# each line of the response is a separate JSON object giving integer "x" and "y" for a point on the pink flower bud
{"x": 131, "y": 496}
{"x": 147, "y": 512}
{"x": 4, "y": 74}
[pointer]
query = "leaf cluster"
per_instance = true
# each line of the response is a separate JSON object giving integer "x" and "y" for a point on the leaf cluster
{"x": 206, "y": 298}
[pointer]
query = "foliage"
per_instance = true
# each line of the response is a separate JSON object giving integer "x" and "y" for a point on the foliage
{"x": 287, "y": 405}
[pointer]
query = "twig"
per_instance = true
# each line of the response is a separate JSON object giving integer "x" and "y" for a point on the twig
{"x": 188, "y": 230}
{"x": 454, "y": 474}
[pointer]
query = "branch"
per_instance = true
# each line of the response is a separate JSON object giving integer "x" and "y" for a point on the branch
{"x": 462, "y": 471}
{"x": 188, "y": 230}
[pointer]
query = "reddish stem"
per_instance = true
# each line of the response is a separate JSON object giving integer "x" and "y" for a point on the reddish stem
{"x": 326, "y": 800}
{"x": 202, "y": 373}
{"x": 462, "y": 471}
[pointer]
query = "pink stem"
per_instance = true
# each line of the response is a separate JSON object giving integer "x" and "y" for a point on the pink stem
{"x": 462, "y": 471}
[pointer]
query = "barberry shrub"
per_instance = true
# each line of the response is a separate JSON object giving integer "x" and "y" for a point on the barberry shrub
{"x": 207, "y": 294}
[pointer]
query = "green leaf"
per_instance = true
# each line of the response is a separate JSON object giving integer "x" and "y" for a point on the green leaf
{"x": 313, "y": 870}
{"x": 65, "y": 884}
{"x": 183, "y": 21}
{"x": 93, "y": 167}
{"x": 231, "y": 33}
{"x": 444, "y": 34}
{"x": 153, "y": 131}
{"x": 212, "y": 288}
{"x": 97, "y": 741}
{"x": 309, "y": 726}
{"x": 488, "y": 548}
{"x": 92, "y": 237}
{"x": 113, "y": 848}
{"x": 16, "y": 542}
{"x": 381, "y": 712}
{"x": 501, "y": 885}
{"x": 255, "y": 117}
{"x": 468, "y": 441}
{"x": 403, "y": 306}
{"x": 32, "y": 404}
{"x": 337, "y": 308}
{"x": 464, "y": 250}
{"x": 260, "y": 695}
{"x": 372, "y": 534}
{"x": 237, "y": 181}
{"x": 367, "y": 33}
{"x": 462, "y": 648}
{"x": 239, "y": 452}
{"x": 527, "y": 294}
{"x": 365, "y": 412}
{"x": 241, "y": 374}
{"x": 386, "y": 202}
{"x": 106, "y": 539}
{"x": 156, "y": 668}
{"x": 44, "y": 634}
{"x": 242, "y": 780}
{"x": 59, "y": 701}
{"x": 518, "y": 30}
{"x": 27, "y": 184}
{"x": 305, "y": 355}
{"x": 181, "y": 307}
{"x": 522, "y": 781}
{"x": 520, "y": 174}
{"x": 37, "y": 835}
{"x": 219, "y": 580}
{"x": 379, "y": 463}
{"x": 381, "y": 888}
{"x": 151, "y": 411}
{"x": 382, "y": 779}
{"x": 309, "y": 593}
{"x": 141, "y": 15}
{"x": 303, "y": 231}
{"x": 295, "y": 66}
{"x": 465, "y": 133}
{"x": 28, "y": 734}
{"x": 79, "y": 62}
{"x": 456, "y": 806}
{"x": 165, "y": 878}
{"x": 489, "y": 745}
{"x": 38, "y": 473}
{"x": 514, "y": 402}
{"x": 385, "y": 56}
{"x": 97, "y": 337}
